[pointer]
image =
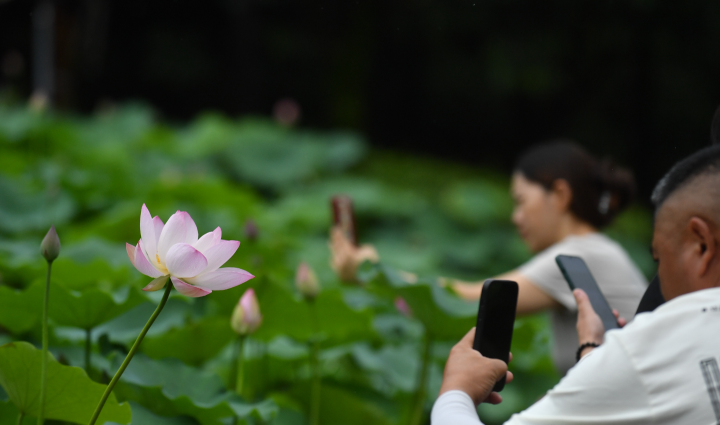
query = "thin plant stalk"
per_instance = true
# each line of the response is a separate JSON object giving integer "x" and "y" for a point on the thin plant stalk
{"x": 88, "y": 342}
{"x": 232, "y": 377}
{"x": 315, "y": 390}
{"x": 130, "y": 355}
{"x": 418, "y": 406}
{"x": 43, "y": 373}
{"x": 237, "y": 370}
{"x": 315, "y": 370}
{"x": 240, "y": 366}
{"x": 20, "y": 418}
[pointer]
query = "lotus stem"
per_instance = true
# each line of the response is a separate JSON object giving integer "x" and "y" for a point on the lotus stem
{"x": 418, "y": 406}
{"x": 315, "y": 406}
{"x": 20, "y": 418}
{"x": 232, "y": 376}
{"x": 315, "y": 369}
{"x": 88, "y": 342}
{"x": 130, "y": 354}
{"x": 43, "y": 373}
{"x": 240, "y": 366}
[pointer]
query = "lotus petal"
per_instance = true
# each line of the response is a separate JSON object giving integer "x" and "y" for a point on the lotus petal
{"x": 208, "y": 240}
{"x": 189, "y": 290}
{"x": 174, "y": 232}
{"x": 147, "y": 233}
{"x": 131, "y": 252}
{"x": 218, "y": 254}
{"x": 185, "y": 261}
{"x": 225, "y": 278}
{"x": 191, "y": 235}
{"x": 158, "y": 224}
{"x": 156, "y": 284}
{"x": 142, "y": 264}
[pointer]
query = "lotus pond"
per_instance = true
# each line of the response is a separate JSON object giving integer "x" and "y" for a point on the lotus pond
{"x": 349, "y": 357}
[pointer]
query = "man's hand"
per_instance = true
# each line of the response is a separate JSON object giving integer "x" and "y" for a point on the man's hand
{"x": 346, "y": 257}
{"x": 468, "y": 371}
{"x": 589, "y": 325}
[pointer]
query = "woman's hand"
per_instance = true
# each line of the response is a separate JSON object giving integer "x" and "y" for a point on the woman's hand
{"x": 589, "y": 325}
{"x": 531, "y": 299}
{"x": 468, "y": 371}
{"x": 346, "y": 257}
{"x": 465, "y": 290}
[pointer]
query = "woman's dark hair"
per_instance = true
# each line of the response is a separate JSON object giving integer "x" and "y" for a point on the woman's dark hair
{"x": 600, "y": 190}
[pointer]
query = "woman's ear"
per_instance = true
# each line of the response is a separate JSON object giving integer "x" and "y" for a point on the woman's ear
{"x": 562, "y": 192}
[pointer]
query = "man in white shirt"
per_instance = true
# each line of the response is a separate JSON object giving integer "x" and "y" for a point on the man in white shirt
{"x": 663, "y": 368}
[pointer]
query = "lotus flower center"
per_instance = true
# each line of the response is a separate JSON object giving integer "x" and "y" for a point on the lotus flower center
{"x": 157, "y": 256}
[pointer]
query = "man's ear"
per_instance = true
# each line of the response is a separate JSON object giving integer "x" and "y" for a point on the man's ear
{"x": 563, "y": 193}
{"x": 705, "y": 244}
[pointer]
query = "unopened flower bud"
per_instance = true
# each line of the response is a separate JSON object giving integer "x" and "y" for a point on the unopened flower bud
{"x": 50, "y": 246}
{"x": 246, "y": 318}
{"x": 403, "y": 307}
{"x": 306, "y": 281}
{"x": 38, "y": 101}
{"x": 251, "y": 230}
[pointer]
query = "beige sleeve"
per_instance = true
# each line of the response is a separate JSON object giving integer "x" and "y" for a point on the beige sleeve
{"x": 543, "y": 271}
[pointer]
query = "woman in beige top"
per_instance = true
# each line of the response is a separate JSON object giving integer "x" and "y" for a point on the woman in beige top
{"x": 563, "y": 196}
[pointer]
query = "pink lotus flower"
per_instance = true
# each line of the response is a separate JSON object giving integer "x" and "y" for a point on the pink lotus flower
{"x": 246, "y": 317}
{"x": 174, "y": 250}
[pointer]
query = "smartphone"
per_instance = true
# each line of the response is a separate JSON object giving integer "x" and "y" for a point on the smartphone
{"x": 344, "y": 216}
{"x": 495, "y": 321}
{"x": 578, "y": 275}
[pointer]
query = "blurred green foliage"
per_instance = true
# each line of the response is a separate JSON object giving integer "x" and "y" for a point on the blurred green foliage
{"x": 89, "y": 177}
{"x": 70, "y": 396}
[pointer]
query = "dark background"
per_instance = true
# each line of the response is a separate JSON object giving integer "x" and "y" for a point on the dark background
{"x": 474, "y": 80}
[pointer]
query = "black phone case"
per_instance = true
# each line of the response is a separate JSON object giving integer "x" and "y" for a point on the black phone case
{"x": 482, "y": 321}
{"x": 598, "y": 302}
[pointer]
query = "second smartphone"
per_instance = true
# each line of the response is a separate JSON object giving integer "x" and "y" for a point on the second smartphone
{"x": 495, "y": 321}
{"x": 578, "y": 275}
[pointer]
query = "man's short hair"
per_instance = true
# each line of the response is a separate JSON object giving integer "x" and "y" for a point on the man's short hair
{"x": 705, "y": 161}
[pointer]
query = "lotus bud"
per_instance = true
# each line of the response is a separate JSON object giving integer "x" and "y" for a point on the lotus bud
{"x": 306, "y": 281}
{"x": 246, "y": 318}
{"x": 403, "y": 307}
{"x": 286, "y": 112}
{"x": 50, "y": 246}
{"x": 251, "y": 230}
{"x": 38, "y": 101}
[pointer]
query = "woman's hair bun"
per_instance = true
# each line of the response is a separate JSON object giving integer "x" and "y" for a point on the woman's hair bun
{"x": 601, "y": 190}
{"x": 617, "y": 188}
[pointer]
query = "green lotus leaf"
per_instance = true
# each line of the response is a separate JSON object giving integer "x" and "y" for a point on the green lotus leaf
{"x": 328, "y": 317}
{"x": 71, "y": 395}
{"x": 478, "y": 203}
{"x": 444, "y": 315}
{"x": 170, "y": 388}
{"x": 20, "y": 311}
{"x": 23, "y": 209}
{"x": 394, "y": 367}
{"x": 193, "y": 343}
{"x": 346, "y": 405}
{"x": 88, "y": 265}
{"x": 92, "y": 307}
{"x": 142, "y": 415}
{"x": 125, "y": 328}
